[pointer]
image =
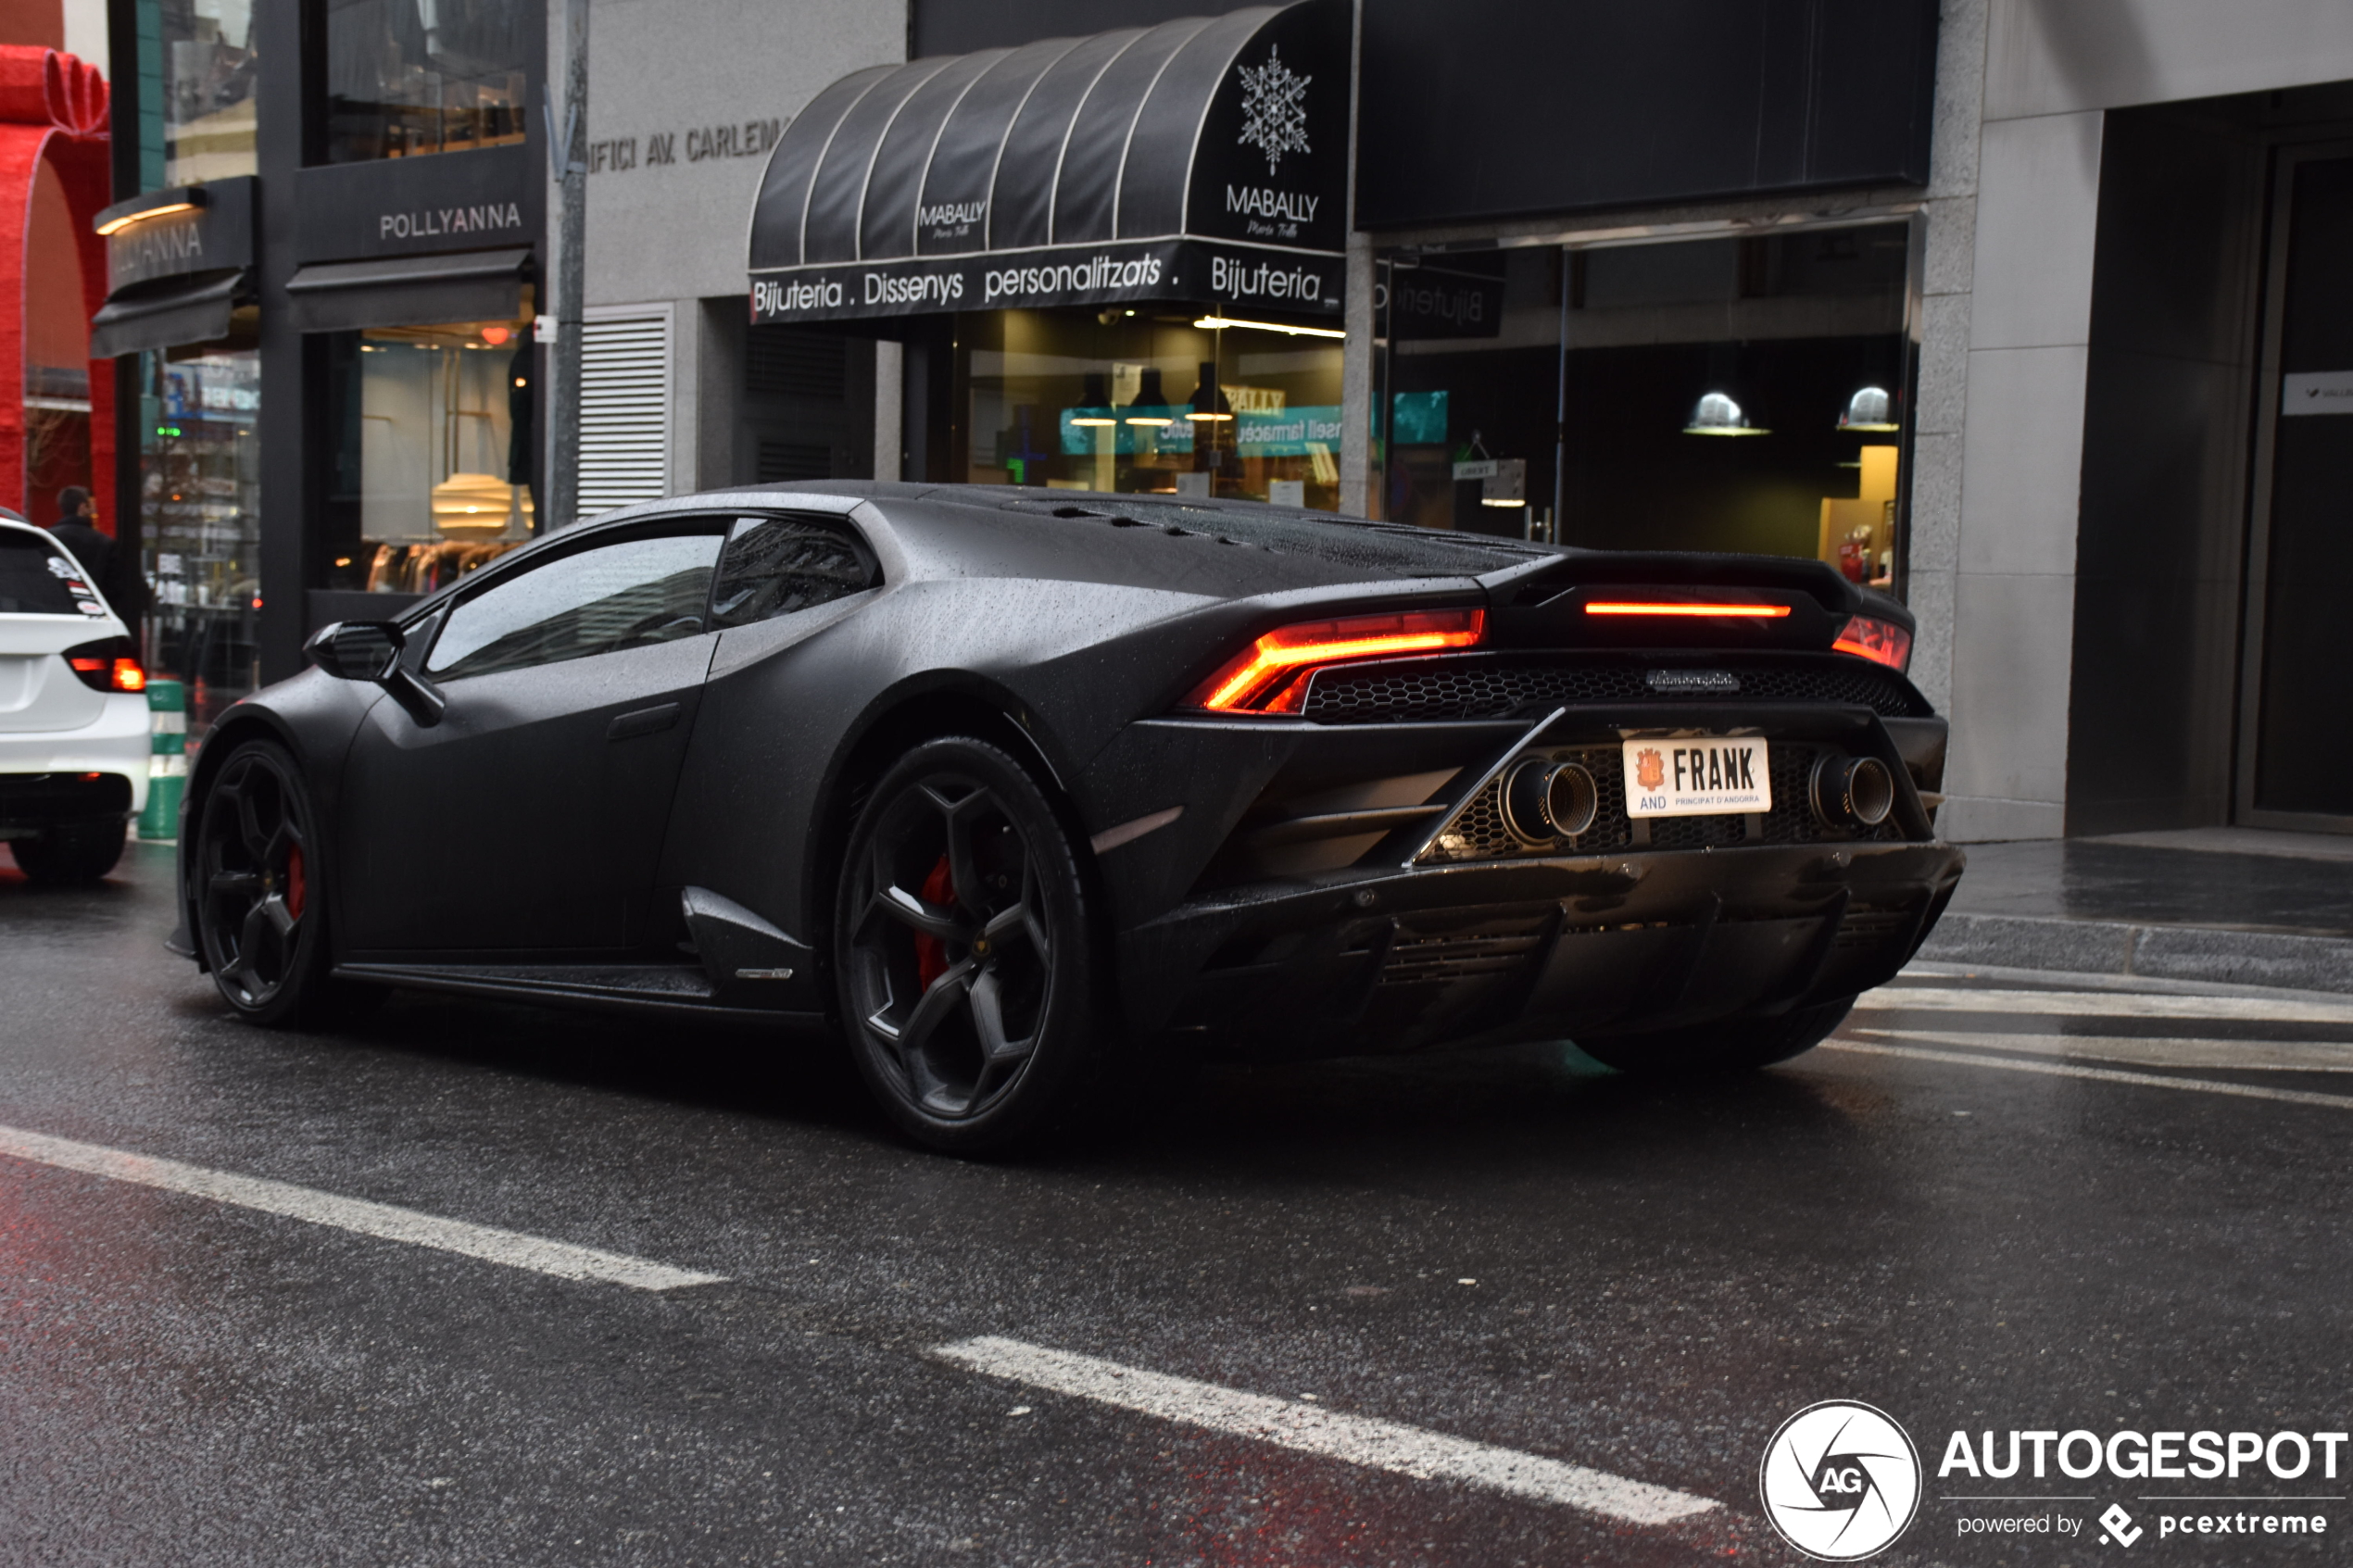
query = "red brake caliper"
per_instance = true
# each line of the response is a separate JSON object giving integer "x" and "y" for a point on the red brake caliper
{"x": 931, "y": 953}
{"x": 298, "y": 885}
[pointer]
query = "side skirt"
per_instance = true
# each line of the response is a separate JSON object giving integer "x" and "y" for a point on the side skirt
{"x": 678, "y": 991}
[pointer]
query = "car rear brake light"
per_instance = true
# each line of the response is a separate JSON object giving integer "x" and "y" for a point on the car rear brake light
{"x": 1756, "y": 611}
{"x": 1881, "y": 642}
{"x": 107, "y": 666}
{"x": 1268, "y": 676}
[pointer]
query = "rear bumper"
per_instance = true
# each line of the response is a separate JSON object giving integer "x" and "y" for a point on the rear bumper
{"x": 42, "y": 781}
{"x": 1369, "y": 961}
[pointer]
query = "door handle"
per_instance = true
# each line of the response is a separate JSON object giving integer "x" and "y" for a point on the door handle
{"x": 644, "y": 721}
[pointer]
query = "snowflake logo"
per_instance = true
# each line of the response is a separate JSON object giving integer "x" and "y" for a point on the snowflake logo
{"x": 1273, "y": 108}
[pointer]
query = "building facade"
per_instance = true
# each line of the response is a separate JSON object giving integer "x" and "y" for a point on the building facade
{"x": 2008, "y": 307}
{"x": 325, "y": 262}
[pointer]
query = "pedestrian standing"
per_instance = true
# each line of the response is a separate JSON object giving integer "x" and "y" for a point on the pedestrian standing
{"x": 75, "y": 531}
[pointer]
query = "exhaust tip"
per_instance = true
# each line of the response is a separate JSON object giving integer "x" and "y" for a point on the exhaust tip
{"x": 1852, "y": 792}
{"x": 1543, "y": 802}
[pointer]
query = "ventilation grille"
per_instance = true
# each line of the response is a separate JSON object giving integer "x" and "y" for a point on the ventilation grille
{"x": 780, "y": 460}
{"x": 625, "y": 411}
{"x": 796, "y": 363}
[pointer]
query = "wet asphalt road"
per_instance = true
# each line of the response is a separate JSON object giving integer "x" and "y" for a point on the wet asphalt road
{"x": 1662, "y": 1275}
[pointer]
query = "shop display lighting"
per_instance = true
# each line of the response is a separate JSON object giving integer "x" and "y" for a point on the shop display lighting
{"x": 1208, "y": 404}
{"x": 186, "y": 200}
{"x": 1870, "y": 408}
{"x": 1716, "y": 414}
{"x": 1215, "y": 324}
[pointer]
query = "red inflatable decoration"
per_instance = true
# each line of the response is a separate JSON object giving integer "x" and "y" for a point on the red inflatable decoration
{"x": 52, "y": 108}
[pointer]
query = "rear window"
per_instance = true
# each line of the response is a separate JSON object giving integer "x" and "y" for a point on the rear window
{"x": 36, "y": 578}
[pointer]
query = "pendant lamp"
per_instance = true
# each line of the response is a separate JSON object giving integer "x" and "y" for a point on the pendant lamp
{"x": 1870, "y": 408}
{"x": 1716, "y": 414}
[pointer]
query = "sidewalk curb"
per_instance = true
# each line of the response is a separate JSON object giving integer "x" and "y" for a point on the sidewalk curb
{"x": 2170, "y": 952}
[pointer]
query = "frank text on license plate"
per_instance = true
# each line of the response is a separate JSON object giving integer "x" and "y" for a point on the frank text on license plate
{"x": 1701, "y": 777}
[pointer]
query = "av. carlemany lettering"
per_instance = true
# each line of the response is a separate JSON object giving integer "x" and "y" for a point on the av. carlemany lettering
{"x": 772, "y": 296}
{"x": 1069, "y": 277}
{"x": 2157, "y": 1455}
{"x": 1264, "y": 201}
{"x": 448, "y": 220}
{"x": 1230, "y": 279}
{"x": 930, "y": 288}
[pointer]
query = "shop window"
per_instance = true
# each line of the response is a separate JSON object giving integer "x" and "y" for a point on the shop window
{"x": 199, "y": 503}
{"x": 1735, "y": 395}
{"x": 203, "y": 66}
{"x": 410, "y": 77}
{"x": 431, "y": 478}
{"x": 1149, "y": 403}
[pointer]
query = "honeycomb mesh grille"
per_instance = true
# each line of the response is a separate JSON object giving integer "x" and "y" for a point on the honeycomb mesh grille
{"x": 1479, "y": 834}
{"x": 1494, "y": 685}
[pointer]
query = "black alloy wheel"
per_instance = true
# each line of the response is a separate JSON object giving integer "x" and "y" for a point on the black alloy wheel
{"x": 1738, "y": 1044}
{"x": 963, "y": 959}
{"x": 256, "y": 886}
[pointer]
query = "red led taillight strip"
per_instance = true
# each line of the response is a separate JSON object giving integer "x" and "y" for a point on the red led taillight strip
{"x": 1262, "y": 675}
{"x": 1760, "y": 613}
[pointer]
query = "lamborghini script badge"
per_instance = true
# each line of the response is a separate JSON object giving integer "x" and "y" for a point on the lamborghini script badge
{"x": 1693, "y": 680}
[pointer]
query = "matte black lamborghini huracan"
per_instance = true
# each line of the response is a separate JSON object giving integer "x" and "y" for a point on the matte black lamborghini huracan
{"x": 1016, "y": 789}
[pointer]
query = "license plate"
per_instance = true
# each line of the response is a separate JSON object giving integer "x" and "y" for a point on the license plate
{"x": 1703, "y": 777}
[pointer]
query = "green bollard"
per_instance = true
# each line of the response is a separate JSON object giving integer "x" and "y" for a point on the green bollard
{"x": 167, "y": 767}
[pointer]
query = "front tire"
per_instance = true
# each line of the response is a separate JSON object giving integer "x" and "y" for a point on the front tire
{"x": 74, "y": 854}
{"x": 964, "y": 950}
{"x": 260, "y": 907}
{"x": 1731, "y": 1044}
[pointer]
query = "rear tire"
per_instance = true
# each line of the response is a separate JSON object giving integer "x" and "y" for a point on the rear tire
{"x": 259, "y": 898}
{"x": 1731, "y": 1044}
{"x": 76, "y": 853}
{"x": 964, "y": 961}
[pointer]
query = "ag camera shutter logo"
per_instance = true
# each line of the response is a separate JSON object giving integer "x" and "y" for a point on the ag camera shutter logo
{"x": 1841, "y": 1481}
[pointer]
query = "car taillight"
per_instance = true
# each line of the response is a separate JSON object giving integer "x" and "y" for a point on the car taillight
{"x": 107, "y": 666}
{"x": 1881, "y": 642}
{"x": 1269, "y": 676}
{"x": 1709, "y": 610}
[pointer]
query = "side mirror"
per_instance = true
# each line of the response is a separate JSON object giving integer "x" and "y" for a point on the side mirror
{"x": 369, "y": 650}
{"x": 355, "y": 650}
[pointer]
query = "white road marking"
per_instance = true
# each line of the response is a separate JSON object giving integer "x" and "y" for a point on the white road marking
{"x": 514, "y": 1249}
{"x": 2102, "y": 1004}
{"x": 2097, "y": 1075}
{"x": 1355, "y": 1439}
{"x": 2251, "y": 1056}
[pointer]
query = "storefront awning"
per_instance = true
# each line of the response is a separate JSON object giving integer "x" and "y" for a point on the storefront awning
{"x": 182, "y": 310}
{"x": 1202, "y": 160}
{"x": 401, "y": 291}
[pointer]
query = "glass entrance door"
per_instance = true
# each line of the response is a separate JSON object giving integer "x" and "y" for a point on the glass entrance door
{"x": 2296, "y": 751}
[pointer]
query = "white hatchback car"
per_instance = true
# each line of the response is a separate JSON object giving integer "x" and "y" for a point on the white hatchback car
{"x": 74, "y": 714}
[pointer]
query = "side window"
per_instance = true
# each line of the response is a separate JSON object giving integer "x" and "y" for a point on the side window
{"x": 776, "y": 565}
{"x": 631, "y": 593}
